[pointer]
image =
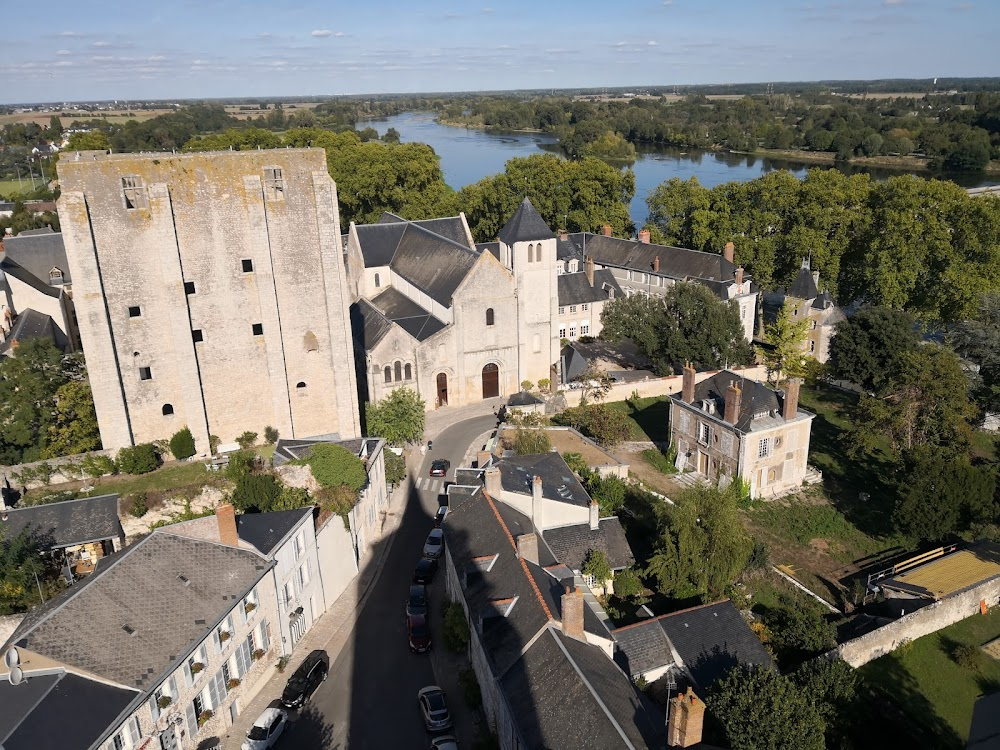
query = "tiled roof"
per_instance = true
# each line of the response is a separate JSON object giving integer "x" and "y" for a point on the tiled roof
{"x": 570, "y": 544}
{"x": 169, "y": 591}
{"x": 804, "y": 287}
{"x": 407, "y": 314}
{"x": 525, "y": 225}
{"x": 558, "y": 481}
{"x": 38, "y": 253}
{"x": 574, "y": 289}
{"x": 88, "y": 519}
{"x": 756, "y": 398}
{"x": 266, "y": 530}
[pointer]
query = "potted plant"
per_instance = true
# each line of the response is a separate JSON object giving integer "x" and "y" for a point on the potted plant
{"x": 249, "y": 607}
{"x": 197, "y": 667}
{"x": 224, "y": 636}
{"x": 258, "y": 654}
{"x": 233, "y": 683}
{"x": 204, "y": 716}
{"x": 163, "y": 701}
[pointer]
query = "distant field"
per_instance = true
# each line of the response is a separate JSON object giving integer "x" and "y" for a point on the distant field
{"x": 10, "y": 187}
{"x": 233, "y": 110}
{"x": 42, "y": 118}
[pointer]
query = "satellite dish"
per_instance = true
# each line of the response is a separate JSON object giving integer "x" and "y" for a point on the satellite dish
{"x": 15, "y": 676}
{"x": 11, "y": 658}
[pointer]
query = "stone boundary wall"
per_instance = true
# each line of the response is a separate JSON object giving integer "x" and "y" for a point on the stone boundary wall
{"x": 918, "y": 623}
{"x": 7, "y": 472}
{"x": 657, "y": 386}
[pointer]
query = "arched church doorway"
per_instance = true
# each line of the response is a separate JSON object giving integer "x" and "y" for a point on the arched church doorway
{"x": 491, "y": 381}
{"x": 442, "y": 389}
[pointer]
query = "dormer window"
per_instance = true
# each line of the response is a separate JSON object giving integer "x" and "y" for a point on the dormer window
{"x": 55, "y": 276}
{"x": 708, "y": 405}
{"x": 574, "y": 266}
{"x": 560, "y": 268}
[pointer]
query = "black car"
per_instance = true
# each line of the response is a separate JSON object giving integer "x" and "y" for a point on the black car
{"x": 425, "y": 571}
{"x": 306, "y": 679}
{"x": 416, "y": 604}
{"x": 439, "y": 518}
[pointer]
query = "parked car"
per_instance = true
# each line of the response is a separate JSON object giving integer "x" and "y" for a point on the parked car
{"x": 425, "y": 571}
{"x": 419, "y": 633}
{"x": 444, "y": 742}
{"x": 434, "y": 709}
{"x": 439, "y": 517}
{"x": 416, "y": 604}
{"x": 434, "y": 545}
{"x": 266, "y": 730}
{"x": 304, "y": 681}
{"x": 439, "y": 467}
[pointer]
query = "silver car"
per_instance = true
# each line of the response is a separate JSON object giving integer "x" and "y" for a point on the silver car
{"x": 266, "y": 730}
{"x": 434, "y": 545}
{"x": 434, "y": 709}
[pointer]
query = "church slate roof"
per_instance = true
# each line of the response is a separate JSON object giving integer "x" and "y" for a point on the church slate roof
{"x": 30, "y": 324}
{"x": 525, "y": 225}
{"x": 379, "y": 242}
{"x": 407, "y": 314}
{"x": 432, "y": 263}
{"x": 368, "y": 324}
{"x": 38, "y": 253}
{"x": 756, "y": 398}
{"x": 574, "y": 289}
{"x": 803, "y": 287}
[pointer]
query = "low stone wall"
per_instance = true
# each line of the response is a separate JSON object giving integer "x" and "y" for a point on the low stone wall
{"x": 63, "y": 469}
{"x": 919, "y": 623}
{"x": 656, "y": 386}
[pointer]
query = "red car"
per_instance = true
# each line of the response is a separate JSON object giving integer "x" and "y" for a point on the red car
{"x": 419, "y": 633}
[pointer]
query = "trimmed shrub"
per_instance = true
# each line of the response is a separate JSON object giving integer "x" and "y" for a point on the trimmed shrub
{"x": 256, "y": 493}
{"x": 247, "y": 440}
{"x": 270, "y": 435}
{"x": 968, "y": 656}
{"x": 334, "y": 465}
{"x": 138, "y": 459}
{"x": 182, "y": 444}
{"x": 138, "y": 507}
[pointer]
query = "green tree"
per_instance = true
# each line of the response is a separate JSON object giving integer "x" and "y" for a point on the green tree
{"x": 609, "y": 492}
{"x": 256, "y": 493}
{"x": 246, "y": 440}
{"x": 29, "y": 383}
{"x": 784, "y": 351}
{"x": 868, "y": 348}
{"x": 978, "y": 339}
{"x": 182, "y": 444}
{"x": 74, "y": 427}
{"x": 596, "y": 565}
{"x": 527, "y": 442}
{"x": 799, "y": 629}
{"x": 291, "y": 498}
{"x": 702, "y": 546}
{"x": 762, "y": 710}
{"x": 628, "y": 584}
{"x": 270, "y": 435}
{"x": 21, "y": 559}
{"x": 141, "y": 458}
{"x": 395, "y": 467}
{"x": 334, "y": 465}
{"x": 607, "y": 426}
{"x": 399, "y": 418}
{"x": 92, "y": 140}
{"x": 832, "y": 686}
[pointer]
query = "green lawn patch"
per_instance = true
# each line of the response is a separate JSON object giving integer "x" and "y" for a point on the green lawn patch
{"x": 186, "y": 478}
{"x": 649, "y": 417}
{"x": 926, "y": 683}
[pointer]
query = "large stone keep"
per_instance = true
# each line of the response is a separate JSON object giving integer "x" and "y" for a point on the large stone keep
{"x": 210, "y": 293}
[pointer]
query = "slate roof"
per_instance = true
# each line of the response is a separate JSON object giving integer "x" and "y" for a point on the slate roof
{"x": 570, "y": 544}
{"x": 88, "y": 519}
{"x": 266, "y": 530}
{"x": 294, "y": 449}
{"x": 379, "y": 242}
{"x": 368, "y": 325}
{"x": 30, "y": 324}
{"x": 525, "y": 225}
{"x": 756, "y": 398}
{"x": 432, "y": 263}
{"x": 566, "y": 250}
{"x": 407, "y": 314}
{"x": 574, "y": 289}
{"x": 61, "y": 710}
{"x": 642, "y": 647}
{"x": 524, "y": 398}
{"x": 558, "y": 481}
{"x": 803, "y": 287}
{"x": 493, "y": 248}
{"x": 142, "y": 587}
{"x": 38, "y": 253}
{"x": 38, "y": 283}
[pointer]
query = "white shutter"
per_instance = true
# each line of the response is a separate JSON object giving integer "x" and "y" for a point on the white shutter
{"x": 134, "y": 733}
{"x": 154, "y": 709}
{"x": 242, "y": 608}
{"x": 192, "y": 719}
{"x": 265, "y": 644}
{"x": 216, "y": 642}
{"x": 188, "y": 677}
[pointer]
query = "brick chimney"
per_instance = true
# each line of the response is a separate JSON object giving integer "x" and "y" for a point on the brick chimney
{"x": 644, "y": 236}
{"x": 791, "y": 406}
{"x": 492, "y": 476}
{"x": 686, "y": 720}
{"x": 572, "y": 613}
{"x": 537, "y": 503}
{"x": 687, "y": 384}
{"x": 729, "y": 252}
{"x": 733, "y": 394}
{"x": 606, "y": 230}
{"x": 656, "y": 264}
{"x": 225, "y": 516}
{"x": 595, "y": 515}
{"x": 739, "y": 276}
{"x": 527, "y": 547}
{"x": 563, "y": 235}
{"x": 588, "y": 268}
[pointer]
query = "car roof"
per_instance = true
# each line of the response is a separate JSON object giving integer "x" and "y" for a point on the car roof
{"x": 268, "y": 716}
{"x": 417, "y": 620}
{"x": 418, "y": 588}
{"x": 436, "y": 533}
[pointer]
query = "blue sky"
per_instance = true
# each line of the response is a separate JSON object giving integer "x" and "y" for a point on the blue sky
{"x": 77, "y": 50}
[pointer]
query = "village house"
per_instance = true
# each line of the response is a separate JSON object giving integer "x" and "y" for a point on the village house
{"x": 804, "y": 301}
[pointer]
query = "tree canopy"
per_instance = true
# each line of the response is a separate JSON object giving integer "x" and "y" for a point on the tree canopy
{"x": 399, "y": 418}
{"x": 978, "y": 339}
{"x": 784, "y": 338}
{"x": 868, "y": 348}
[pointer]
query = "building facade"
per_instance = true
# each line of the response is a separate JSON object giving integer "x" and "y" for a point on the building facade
{"x": 211, "y": 293}
{"x": 804, "y": 301}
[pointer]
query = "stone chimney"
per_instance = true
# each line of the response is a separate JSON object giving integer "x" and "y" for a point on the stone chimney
{"x": 739, "y": 277}
{"x": 729, "y": 252}
{"x": 537, "y": 503}
{"x": 492, "y": 476}
{"x": 687, "y": 384}
{"x": 656, "y": 264}
{"x": 483, "y": 458}
{"x": 644, "y": 236}
{"x": 572, "y": 613}
{"x": 791, "y": 406}
{"x": 733, "y": 395}
{"x": 527, "y": 547}
{"x": 225, "y": 516}
{"x": 588, "y": 268}
{"x": 686, "y": 720}
{"x": 606, "y": 230}
{"x": 563, "y": 235}
{"x": 595, "y": 515}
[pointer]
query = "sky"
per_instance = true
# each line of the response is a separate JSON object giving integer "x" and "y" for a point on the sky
{"x": 185, "y": 49}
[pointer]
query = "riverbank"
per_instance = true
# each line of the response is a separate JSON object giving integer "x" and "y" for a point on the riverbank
{"x": 902, "y": 163}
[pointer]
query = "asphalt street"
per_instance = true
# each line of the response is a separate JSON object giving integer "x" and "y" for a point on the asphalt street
{"x": 369, "y": 700}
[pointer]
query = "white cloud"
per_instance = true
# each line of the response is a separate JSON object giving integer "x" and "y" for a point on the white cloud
{"x": 894, "y": 2}
{"x": 486, "y": 11}
{"x": 651, "y": 43}
{"x": 339, "y": 34}
{"x": 322, "y": 33}
{"x": 63, "y": 52}
{"x": 101, "y": 44}
{"x": 70, "y": 33}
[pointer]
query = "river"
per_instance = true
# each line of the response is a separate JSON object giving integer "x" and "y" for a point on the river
{"x": 468, "y": 155}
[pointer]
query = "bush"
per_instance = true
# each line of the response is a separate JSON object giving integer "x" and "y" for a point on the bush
{"x": 291, "y": 498}
{"x": 605, "y": 425}
{"x": 213, "y": 443}
{"x": 609, "y": 492}
{"x": 182, "y": 444}
{"x": 576, "y": 463}
{"x": 627, "y": 584}
{"x": 543, "y": 384}
{"x": 969, "y": 657}
{"x": 240, "y": 463}
{"x": 395, "y": 467}
{"x": 334, "y": 465}
{"x": 596, "y": 564}
{"x": 454, "y": 627}
{"x": 138, "y": 506}
{"x": 759, "y": 556}
{"x": 247, "y": 440}
{"x": 470, "y": 689}
{"x": 527, "y": 385}
{"x": 659, "y": 461}
{"x": 527, "y": 442}
{"x": 138, "y": 459}
{"x": 270, "y": 435}
{"x": 98, "y": 466}
{"x": 256, "y": 493}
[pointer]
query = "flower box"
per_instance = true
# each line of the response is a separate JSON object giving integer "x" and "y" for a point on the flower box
{"x": 164, "y": 701}
{"x": 204, "y": 716}
{"x": 233, "y": 683}
{"x": 197, "y": 667}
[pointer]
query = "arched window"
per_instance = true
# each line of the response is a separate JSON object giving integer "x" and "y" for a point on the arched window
{"x": 168, "y": 409}
{"x": 531, "y": 253}
{"x": 489, "y": 316}
{"x": 378, "y": 281}
{"x": 408, "y": 372}
{"x": 300, "y": 384}
{"x": 388, "y": 374}
{"x": 538, "y": 252}
{"x": 398, "y": 371}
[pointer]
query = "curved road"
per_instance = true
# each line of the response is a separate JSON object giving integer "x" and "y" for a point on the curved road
{"x": 369, "y": 700}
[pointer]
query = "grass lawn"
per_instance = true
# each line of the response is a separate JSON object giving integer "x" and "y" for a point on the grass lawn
{"x": 924, "y": 681}
{"x": 649, "y": 417}
{"x": 180, "y": 478}
{"x": 11, "y": 188}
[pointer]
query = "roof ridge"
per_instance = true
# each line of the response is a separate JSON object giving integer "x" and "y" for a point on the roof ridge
{"x": 449, "y": 240}
{"x": 524, "y": 565}
{"x": 61, "y": 502}
{"x": 669, "y": 614}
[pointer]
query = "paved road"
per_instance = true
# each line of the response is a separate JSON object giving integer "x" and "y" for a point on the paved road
{"x": 369, "y": 700}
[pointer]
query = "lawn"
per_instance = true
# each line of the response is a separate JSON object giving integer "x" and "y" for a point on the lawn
{"x": 187, "y": 477}
{"x": 10, "y": 188}
{"x": 649, "y": 417}
{"x": 926, "y": 683}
